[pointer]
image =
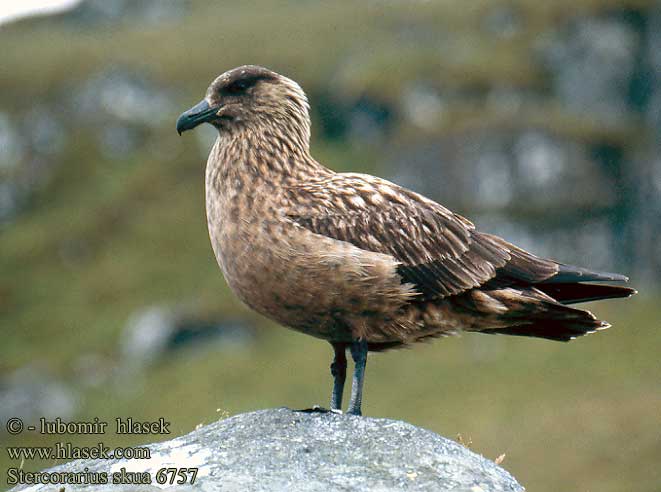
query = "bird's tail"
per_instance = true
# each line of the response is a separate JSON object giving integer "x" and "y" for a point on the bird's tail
{"x": 561, "y": 330}
{"x": 532, "y": 312}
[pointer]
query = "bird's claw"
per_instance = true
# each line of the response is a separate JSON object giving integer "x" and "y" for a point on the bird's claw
{"x": 320, "y": 409}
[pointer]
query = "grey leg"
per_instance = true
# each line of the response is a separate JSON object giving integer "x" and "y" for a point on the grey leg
{"x": 359, "y": 356}
{"x": 339, "y": 371}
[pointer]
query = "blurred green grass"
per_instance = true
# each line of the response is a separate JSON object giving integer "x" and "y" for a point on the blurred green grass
{"x": 583, "y": 416}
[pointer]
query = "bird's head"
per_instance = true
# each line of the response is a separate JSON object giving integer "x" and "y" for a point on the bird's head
{"x": 250, "y": 97}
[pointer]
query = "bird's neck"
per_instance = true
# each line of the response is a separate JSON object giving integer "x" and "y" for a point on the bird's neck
{"x": 261, "y": 155}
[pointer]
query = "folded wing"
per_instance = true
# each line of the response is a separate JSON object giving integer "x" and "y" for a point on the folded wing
{"x": 439, "y": 252}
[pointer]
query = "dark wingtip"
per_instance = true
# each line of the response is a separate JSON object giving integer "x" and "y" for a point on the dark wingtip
{"x": 571, "y": 273}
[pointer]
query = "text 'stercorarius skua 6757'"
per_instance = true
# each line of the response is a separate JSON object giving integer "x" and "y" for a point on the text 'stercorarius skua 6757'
{"x": 354, "y": 259}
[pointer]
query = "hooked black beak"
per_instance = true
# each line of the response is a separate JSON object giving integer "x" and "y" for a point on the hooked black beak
{"x": 198, "y": 114}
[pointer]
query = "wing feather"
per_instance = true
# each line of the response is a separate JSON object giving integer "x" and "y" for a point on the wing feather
{"x": 439, "y": 252}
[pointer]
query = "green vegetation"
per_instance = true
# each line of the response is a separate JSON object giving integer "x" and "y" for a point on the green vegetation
{"x": 107, "y": 237}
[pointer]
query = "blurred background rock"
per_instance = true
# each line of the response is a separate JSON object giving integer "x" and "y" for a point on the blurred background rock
{"x": 540, "y": 121}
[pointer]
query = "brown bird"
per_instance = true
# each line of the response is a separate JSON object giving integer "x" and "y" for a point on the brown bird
{"x": 354, "y": 259}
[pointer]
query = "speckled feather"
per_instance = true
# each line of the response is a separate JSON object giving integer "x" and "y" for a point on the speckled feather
{"x": 343, "y": 256}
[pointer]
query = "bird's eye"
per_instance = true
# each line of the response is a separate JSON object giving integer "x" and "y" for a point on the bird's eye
{"x": 238, "y": 86}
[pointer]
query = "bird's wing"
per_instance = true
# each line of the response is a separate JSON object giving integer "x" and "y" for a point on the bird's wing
{"x": 439, "y": 252}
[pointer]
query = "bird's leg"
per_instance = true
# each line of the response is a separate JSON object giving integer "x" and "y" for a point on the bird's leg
{"x": 359, "y": 356}
{"x": 339, "y": 372}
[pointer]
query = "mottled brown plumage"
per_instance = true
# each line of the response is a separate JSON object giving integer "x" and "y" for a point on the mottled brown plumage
{"x": 355, "y": 259}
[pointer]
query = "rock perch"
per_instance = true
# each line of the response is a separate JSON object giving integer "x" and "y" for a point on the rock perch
{"x": 285, "y": 450}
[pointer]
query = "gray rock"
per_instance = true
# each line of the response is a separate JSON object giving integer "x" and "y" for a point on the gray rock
{"x": 120, "y": 95}
{"x": 32, "y": 392}
{"x": 10, "y": 201}
{"x": 591, "y": 64}
{"x": 280, "y": 449}
{"x": 369, "y": 119}
{"x": 45, "y": 130}
{"x": 12, "y": 147}
{"x": 155, "y": 331}
{"x": 503, "y": 21}
{"x": 423, "y": 106}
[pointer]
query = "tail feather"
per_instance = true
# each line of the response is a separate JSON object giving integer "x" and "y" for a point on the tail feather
{"x": 533, "y": 312}
{"x": 555, "y": 329}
